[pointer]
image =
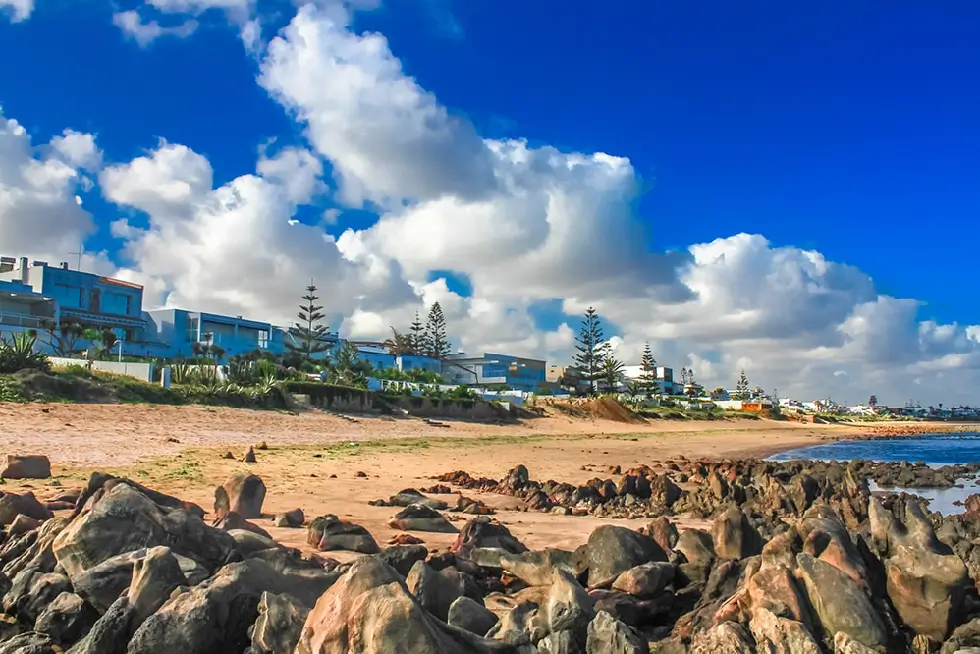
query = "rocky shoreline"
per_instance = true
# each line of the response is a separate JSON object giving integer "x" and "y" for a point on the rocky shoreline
{"x": 793, "y": 557}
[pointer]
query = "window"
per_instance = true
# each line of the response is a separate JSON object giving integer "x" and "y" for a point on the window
{"x": 192, "y": 328}
{"x": 68, "y": 296}
{"x": 95, "y": 300}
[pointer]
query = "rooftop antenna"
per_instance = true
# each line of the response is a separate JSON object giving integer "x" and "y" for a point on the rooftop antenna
{"x": 81, "y": 251}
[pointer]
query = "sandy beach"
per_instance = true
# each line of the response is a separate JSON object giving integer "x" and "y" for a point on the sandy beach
{"x": 324, "y": 463}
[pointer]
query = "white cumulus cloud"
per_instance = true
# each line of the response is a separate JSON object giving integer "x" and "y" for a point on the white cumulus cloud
{"x": 145, "y": 32}
{"x": 18, "y": 10}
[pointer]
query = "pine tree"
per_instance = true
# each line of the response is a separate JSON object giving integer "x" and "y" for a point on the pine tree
{"x": 591, "y": 350}
{"x": 416, "y": 335}
{"x": 308, "y": 334}
{"x": 648, "y": 376}
{"x": 436, "y": 343}
{"x": 742, "y": 387}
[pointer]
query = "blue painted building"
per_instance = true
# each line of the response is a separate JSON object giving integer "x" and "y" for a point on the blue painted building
{"x": 102, "y": 302}
{"x": 21, "y": 308}
{"x": 175, "y": 331}
{"x": 518, "y": 373}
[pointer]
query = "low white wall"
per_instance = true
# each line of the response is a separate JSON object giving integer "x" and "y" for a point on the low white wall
{"x": 729, "y": 404}
{"x": 141, "y": 371}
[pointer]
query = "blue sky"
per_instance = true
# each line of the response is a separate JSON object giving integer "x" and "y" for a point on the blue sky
{"x": 849, "y": 128}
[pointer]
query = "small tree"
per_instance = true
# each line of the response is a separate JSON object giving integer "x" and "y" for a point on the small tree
{"x": 648, "y": 375}
{"x": 399, "y": 343}
{"x": 591, "y": 350}
{"x": 416, "y": 335}
{"x": 873, "y": 401}
{"x": 436, "y": 342}
{"x": 742, "y": 387}
{"x": 612, "y": 371}
{"x": 684, "y": 378}
{"x": 64, "y": 338}
{"x": 308, "y": 334}
{"x": 348, "y": 368}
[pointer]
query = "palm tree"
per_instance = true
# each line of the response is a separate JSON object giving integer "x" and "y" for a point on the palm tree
{"x": 399, "y": 343}
{"x": 612, "y": 370}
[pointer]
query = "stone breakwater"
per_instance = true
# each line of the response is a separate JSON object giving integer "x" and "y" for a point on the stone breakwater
{"x": 794, "y": 557}
{"x": 913, "y": 430}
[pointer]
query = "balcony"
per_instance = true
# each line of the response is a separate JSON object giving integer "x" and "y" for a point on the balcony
{"x": 23, "y": 320}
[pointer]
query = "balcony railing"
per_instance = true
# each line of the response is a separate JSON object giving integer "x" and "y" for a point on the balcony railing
{"x": 23, "y": 320}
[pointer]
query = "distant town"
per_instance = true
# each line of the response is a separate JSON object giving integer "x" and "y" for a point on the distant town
{"x": 78, "y": 312}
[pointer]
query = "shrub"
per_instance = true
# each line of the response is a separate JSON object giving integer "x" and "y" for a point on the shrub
{"x": 19, "y": 353}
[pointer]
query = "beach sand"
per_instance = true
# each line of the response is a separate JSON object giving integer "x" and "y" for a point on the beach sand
{"x": 314, "y": 459}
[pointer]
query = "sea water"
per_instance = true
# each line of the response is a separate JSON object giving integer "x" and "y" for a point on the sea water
{"x": 935, "y": 450}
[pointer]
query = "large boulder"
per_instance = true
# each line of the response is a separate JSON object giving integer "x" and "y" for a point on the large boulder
{"x": 645, "y": 581}
{"x": 213, "y": 616}
{"x": 607, "y": 635}
{"x": 242, "y": 494}
{"x": 330, "y": 533}
{"x": 436, "y": 591}
{"x": 66, "y": 619}
{"x": 777, "y": 635}
{"x": 536, "y": 568}
{"x": 370, "y": 611}
{"x": 280, "y": 622}
{"x": 554, "y": 618}
{"x": 927, "y": 589}
{"x": 13, "y": 505}
{"x": 613, "y": 550}
{"x": 31, "y": 642}
{"x": 725, "y": 638}
{"x": 124, "y": 520}
{"x": 155, "y": 576}
{"x": 410, "y": 496}
{"x": 403, "y": 557}
{"x": 31, "y": 591}
{"x": 466, "y": 613}
{"x": 840, "y": 603}
{"x": 734, "y": 537}
{"x": 101, "y": 585}
{"x": 417, "y": 517}
{"x": 481, "y": 532}
{"x": 26, "y": 467}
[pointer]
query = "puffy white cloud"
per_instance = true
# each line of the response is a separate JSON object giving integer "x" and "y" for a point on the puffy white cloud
{"x": 145, "y": 32}
{"x": 17, "y": 9}
{"x": 232, "y": 249}
{"x": 526, "y": 224}
{"x": 39, "y": 212}
{"x": 295, "y": 169}
{"x": 236, "y": 7}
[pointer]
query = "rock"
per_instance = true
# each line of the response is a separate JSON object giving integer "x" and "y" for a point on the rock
{"x": 840, "y": 603}
{"x": 13, "y": 505}
{"x": 124, "y": 520}
{"x": 844, "y": 644}
{"x": 613, "y": 550}
{"x": 645, "y": 581}
{"x": 466, "y": 613}
{"x": 101, "y": 484}
{"x": 663, "y": 531}
{"x": 403, "y": 557}
{"x": 482, "y": 533}
{"x": 26, "y": 467}
{"x": 725, "y": 638}
{"x": 927, "y": 589}
{"x": 416, "y": 517}
{"x": 696, "y": 546}
{"x": 111, "y": 632}
{"x": 607, "y": 635}
{"x": 330, "y": 533}
{"x": 774, "y": 589}
{"x": 278, "y": 627}
{"x": 33, "y": 549}
{"x": 370, "y": 611}
{"x": 436, "y": 591}
{"x": 155, "y": 576}
{"x": 734, "y": 537}
{"x": 249, "y": 456}
{"x": 101, "y": 585}
{"x": 250, "y": 543}
{"x": 540, "y": 612}
{"x": 534, "y": 568}
{"x": 213, "y": 616}
{"x": 472, "y": 507}
{"x": 22, "y": 524}
{"x": 232, "y": 521}
{"x": 31, "y": 642}
{"x": 31, "y": 591}
{"x": 776, "y": 635}
{"x": 405, "y": 539}
{"x": 971, "y": 504}
{"x": 242, "y": 494}
{"x": 66, "y": 619}
{"x": 410, "y": 496}
{"x": 293, "y": 519}
{"x": 630, "y": 610}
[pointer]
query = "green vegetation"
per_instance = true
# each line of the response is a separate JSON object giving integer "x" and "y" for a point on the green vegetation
{"x": 591, "y": 350}
{"x": 742, "y": 387}
{"x": 648, "y": 378}
{"x": 308, "y": 334}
